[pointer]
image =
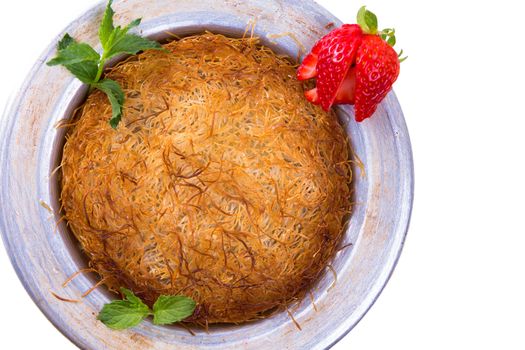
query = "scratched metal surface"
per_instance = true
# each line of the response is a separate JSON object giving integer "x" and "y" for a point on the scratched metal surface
{"x": 44, "y": 256}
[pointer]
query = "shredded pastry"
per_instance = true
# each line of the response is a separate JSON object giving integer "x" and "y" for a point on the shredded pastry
{"x": 221, "y": 183}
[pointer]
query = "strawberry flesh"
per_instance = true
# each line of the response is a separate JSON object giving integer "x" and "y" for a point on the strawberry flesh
{"x": 346, "y": 92}
{"x": 377, "y": 68}
{"x": 312, "y": 96}
{"x": 308, "y": 70}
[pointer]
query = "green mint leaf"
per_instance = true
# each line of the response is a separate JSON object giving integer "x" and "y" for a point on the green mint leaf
{"x": 65, "y": 42}
{"x": 116, "y": 35}
{"x": 172, "y": 308}
{"x": 122, "y": 314}
{"x": 106, "y": 26}
{"x": 116, "y": 97}
{"x": 128, "y": 294}
{"x": 88, "y": 66}
{"x": 79, "y": 59}
{"x": 74, "y": 53}
{"x": 133, "y": 24}
{"x": 86, "y": 72}
{"x": 131, "y": 44}
{"x": 111, "y": 86}
{"x": 367, "y": 20}
{"x": 129, "y": 312}
{"x": 111, "y": 39}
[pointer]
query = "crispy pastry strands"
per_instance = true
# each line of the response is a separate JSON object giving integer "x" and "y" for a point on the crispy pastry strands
{"x": 221, "y": 183}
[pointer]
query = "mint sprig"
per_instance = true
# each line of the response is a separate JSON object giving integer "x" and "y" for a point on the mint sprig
{"x": 116, "y": 98}
{"x": 122, "y": 314}
{"x": 172, "y": 308}
{"x": 87, "y": 64}
{"x": 129, "y": 312}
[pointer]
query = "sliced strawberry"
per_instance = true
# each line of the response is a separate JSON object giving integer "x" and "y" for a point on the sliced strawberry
{"x": 329, "y": 61}
{"x": 353, "y": 64}
{"x": 308, "y": 70}
{"x": 335, "y": 58}
{"x": 346, "y": 92}
{"x": 377, "y": 68}
{"x": 312, "y": 96}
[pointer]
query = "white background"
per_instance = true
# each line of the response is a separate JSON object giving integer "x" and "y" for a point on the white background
{"x": 460, "y": 283}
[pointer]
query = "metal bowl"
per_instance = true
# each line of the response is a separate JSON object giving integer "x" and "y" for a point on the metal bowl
{"x": 45, "y": 254}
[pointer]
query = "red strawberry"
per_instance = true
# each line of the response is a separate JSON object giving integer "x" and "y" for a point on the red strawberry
{"x": 377, "y": 69}
{"x": 312, "y": 96}
{"x": 345, "y": 93}
{"x": 329, "y": 61}
{"x": 308, "y": 70}
{"x": 352, "y": 64}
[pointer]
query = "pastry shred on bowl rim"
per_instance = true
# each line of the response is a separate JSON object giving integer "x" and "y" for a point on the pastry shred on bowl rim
{"x": 221, "y": 183}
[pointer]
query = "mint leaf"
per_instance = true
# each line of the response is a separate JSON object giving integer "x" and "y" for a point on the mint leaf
{"x": 88, "y": 66}
{"x": 134, "y": 23}
{"x": 79, "y": 59}
{"x": 127, "y": 313}
{"x": 106, "y": 26}
{"x": 131, "y": 44}
{"x": 122, "y": 314}
{"x": 116, "y": 98}
{"x": 172, "y": 308}
{"x": 120, "y": 42}
{"x": 74, "y": 53}
{"x": 65, "y": 42}
{"x": 128, "y": 294}
{"x": 86, "y": 72}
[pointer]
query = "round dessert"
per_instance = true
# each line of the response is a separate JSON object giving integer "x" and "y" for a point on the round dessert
{"x": 221, "y": 183}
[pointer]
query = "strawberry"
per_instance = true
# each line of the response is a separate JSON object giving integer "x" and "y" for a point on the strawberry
{"x": 345, "y": 93}
{"x": 336, "y": 55}
{"x": 377, "y": 68}
{"x": 329, "y": 61}
{"x": 308, "y": 70}
{"x": 352, "y": 64}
